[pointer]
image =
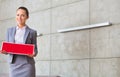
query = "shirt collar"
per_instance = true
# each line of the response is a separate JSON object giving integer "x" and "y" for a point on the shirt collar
{"x": 17, "y": 28}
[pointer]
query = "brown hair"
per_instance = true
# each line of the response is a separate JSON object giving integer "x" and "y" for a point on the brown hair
{"x": 24, "y": 8}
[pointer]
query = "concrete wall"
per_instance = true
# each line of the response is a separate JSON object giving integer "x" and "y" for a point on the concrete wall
{"x": 84, "y": 53}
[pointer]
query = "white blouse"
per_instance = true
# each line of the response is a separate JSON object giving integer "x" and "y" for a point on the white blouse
{"x": 19, "y": 35}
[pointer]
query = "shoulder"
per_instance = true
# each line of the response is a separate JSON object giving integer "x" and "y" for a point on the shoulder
{"x": 31, "y": 30}
{"x": 11, "y": 28}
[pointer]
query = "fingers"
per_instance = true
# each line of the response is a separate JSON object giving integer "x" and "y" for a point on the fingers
{"x": 30, "y": 55}
{"x": 3, "y": 52}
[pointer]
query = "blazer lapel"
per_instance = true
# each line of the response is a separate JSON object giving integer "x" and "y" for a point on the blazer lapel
{"x": 26, "y": 34}
{"x": 13, "y": 34}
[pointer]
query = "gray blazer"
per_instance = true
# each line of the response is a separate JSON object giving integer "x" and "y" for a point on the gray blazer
{"x": 30, "y": 37}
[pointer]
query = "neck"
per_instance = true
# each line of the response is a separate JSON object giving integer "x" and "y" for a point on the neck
{"x": 21, "y": 25}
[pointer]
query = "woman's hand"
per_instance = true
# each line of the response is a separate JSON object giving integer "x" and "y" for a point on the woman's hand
{"x": 3, "y": 52}
{"x": 30, "y": 55}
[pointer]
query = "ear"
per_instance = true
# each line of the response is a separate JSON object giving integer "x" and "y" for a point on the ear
{"x": 27, "y": 17}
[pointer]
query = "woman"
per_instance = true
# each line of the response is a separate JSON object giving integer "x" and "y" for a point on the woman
{"x": 22, "y": 65}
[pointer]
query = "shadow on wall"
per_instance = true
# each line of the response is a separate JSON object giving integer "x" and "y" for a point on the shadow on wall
{"x": 6, "y": 75}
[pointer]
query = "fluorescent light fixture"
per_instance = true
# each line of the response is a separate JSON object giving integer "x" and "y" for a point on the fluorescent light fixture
{"x": 85, "y": 27}
{"x": 39, "y": 34}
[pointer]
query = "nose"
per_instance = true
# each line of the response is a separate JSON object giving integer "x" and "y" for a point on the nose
{"x": 19, "y": 17}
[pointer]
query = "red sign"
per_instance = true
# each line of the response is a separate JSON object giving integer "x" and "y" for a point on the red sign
{"x": 22, "y": 49}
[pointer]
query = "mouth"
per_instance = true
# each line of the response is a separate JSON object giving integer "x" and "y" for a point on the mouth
{"x": 19, "y": 20}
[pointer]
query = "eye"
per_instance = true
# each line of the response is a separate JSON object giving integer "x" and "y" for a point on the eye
{"x": 23, "y": 15}
{"x": 17, "y": 15}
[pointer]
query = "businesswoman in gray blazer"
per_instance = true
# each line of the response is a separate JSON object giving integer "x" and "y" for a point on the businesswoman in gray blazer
{"x": 22, "y": 65}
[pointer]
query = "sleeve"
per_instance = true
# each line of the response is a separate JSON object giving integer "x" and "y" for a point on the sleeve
{"x": 35, "y": 42}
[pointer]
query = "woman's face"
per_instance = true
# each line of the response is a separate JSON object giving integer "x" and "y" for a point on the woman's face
{"x": 21, "y": 17}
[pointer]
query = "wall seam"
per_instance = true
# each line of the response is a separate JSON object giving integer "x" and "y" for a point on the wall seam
{"x": 50, "y": 67}
{"x": 89, "y": 40}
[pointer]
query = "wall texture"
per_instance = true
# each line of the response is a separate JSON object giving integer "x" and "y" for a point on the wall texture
{"x": 84, "y": 53}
